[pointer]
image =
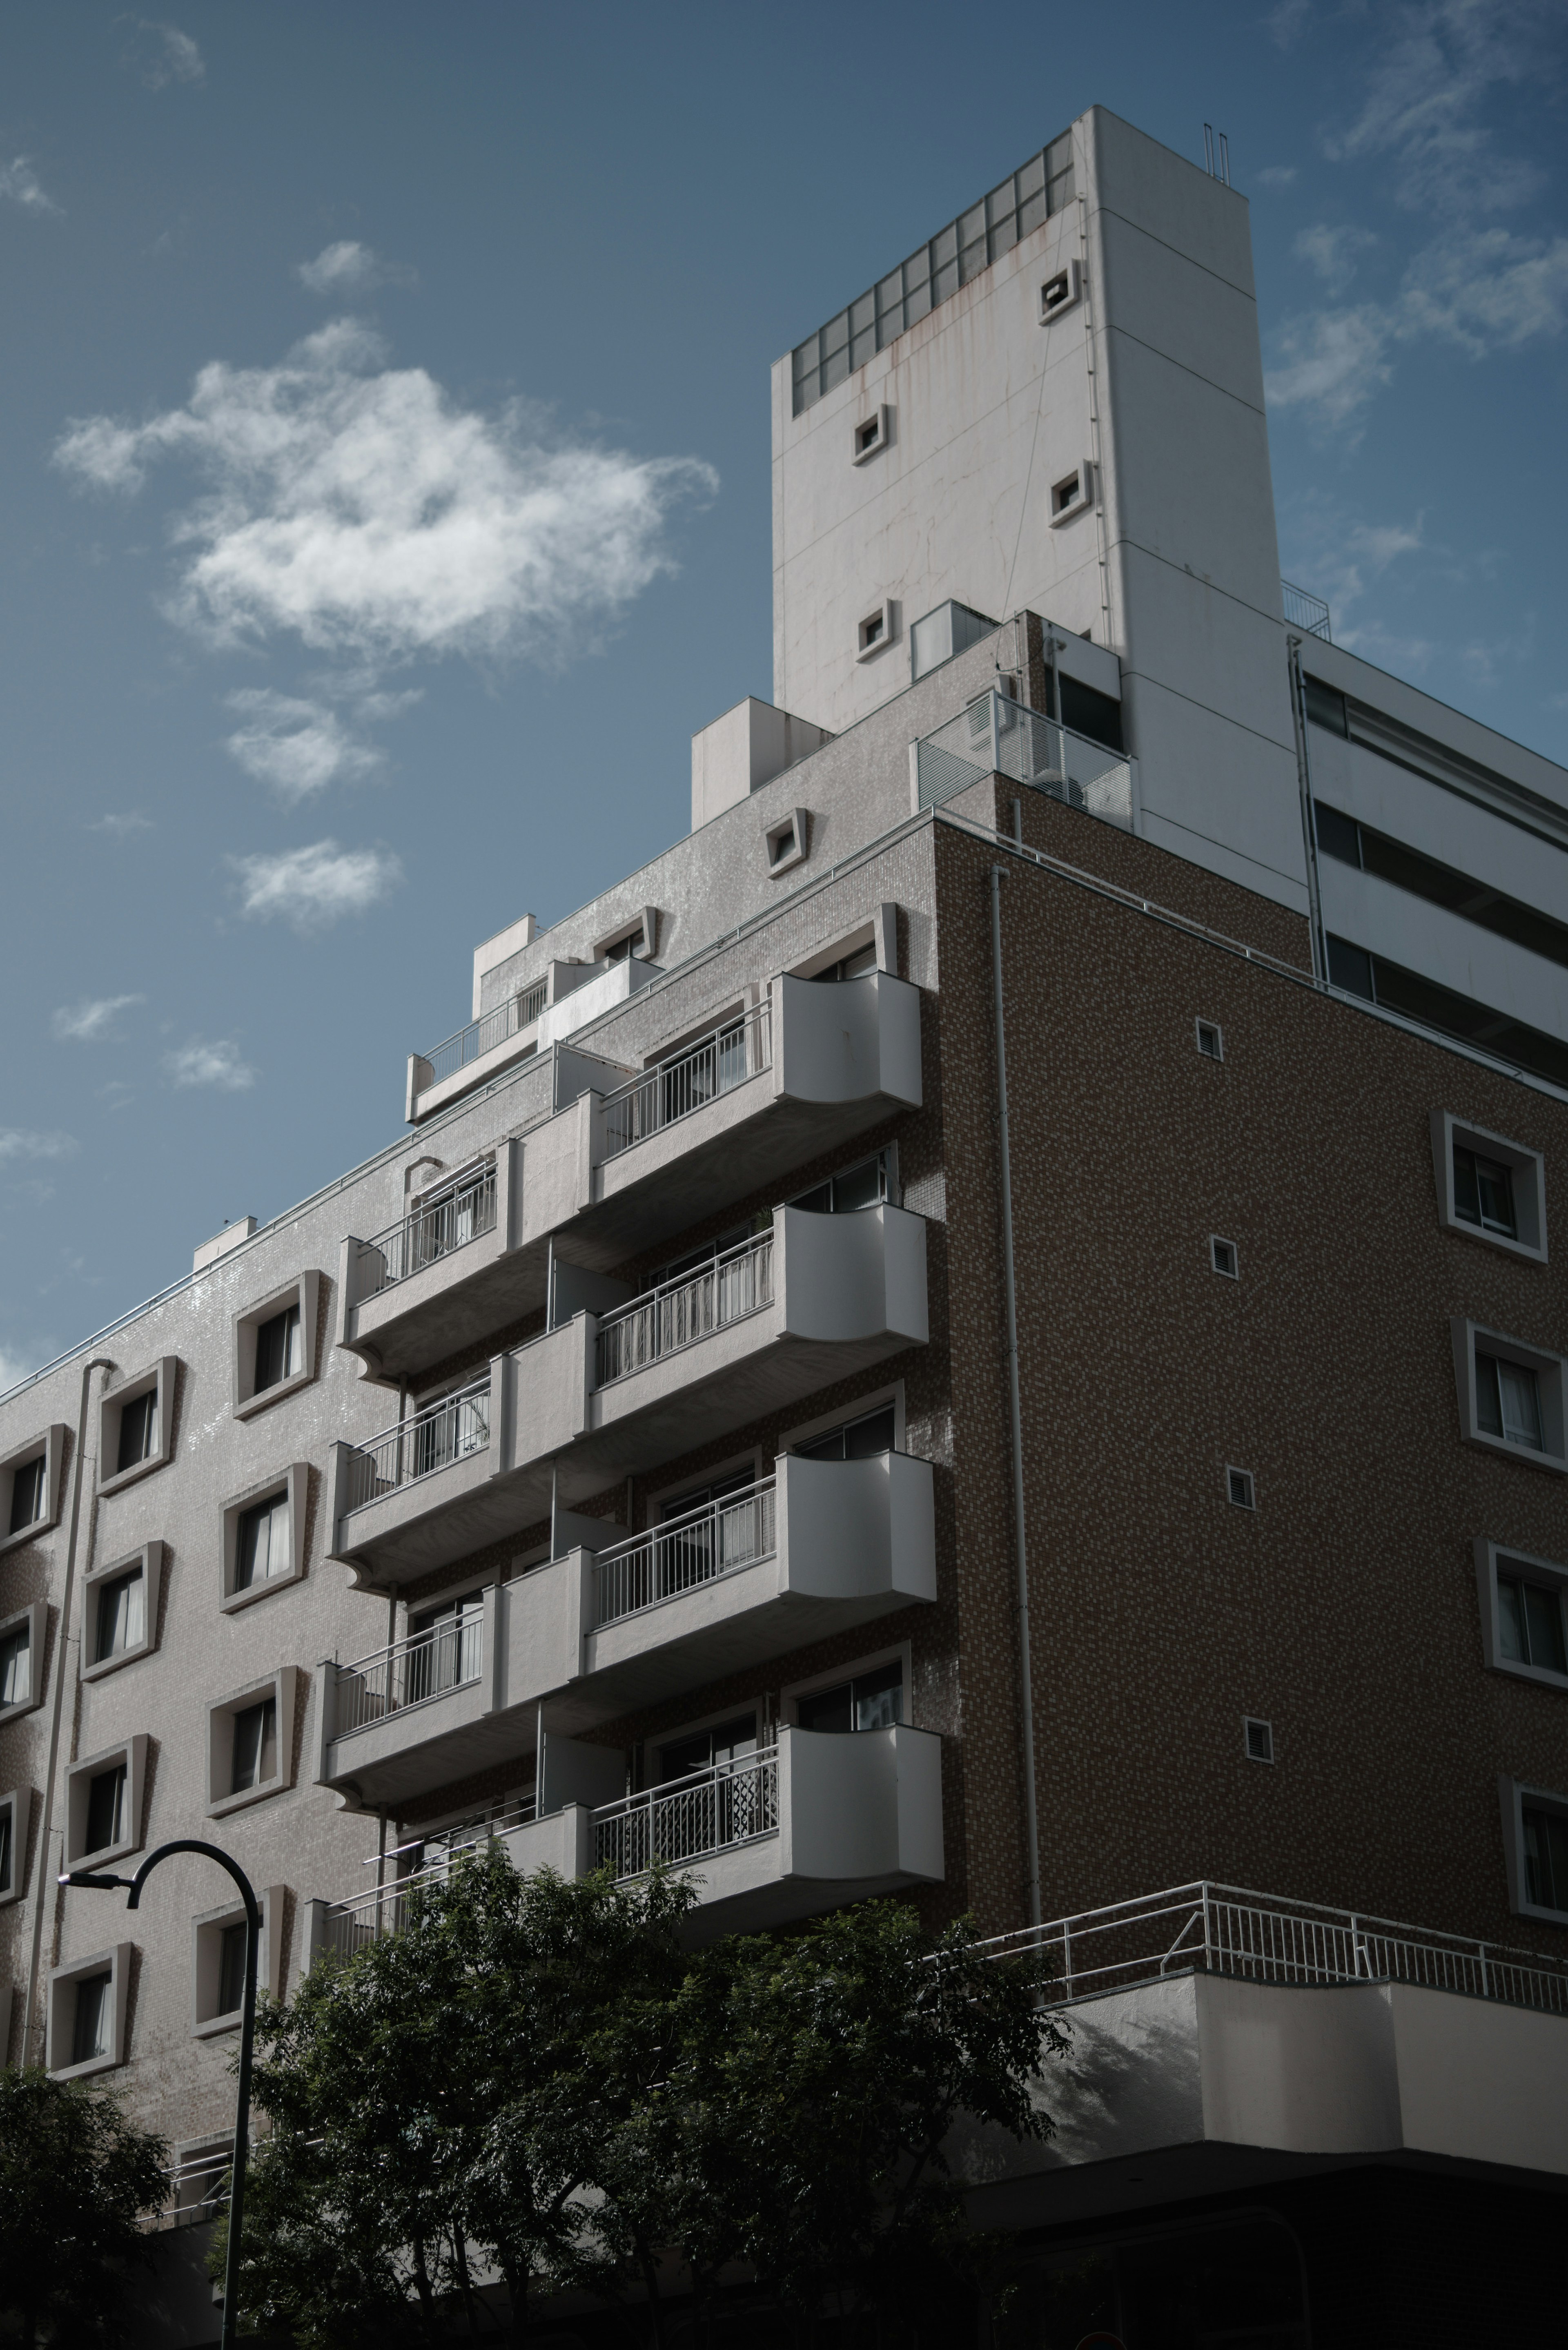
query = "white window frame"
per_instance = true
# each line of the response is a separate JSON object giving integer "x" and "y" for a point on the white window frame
{"x": 282, "y": 1686}
{"x": 18, "y": 1803}
{"x": 1551, "y": 1386}
{"x": 899, "y": 1653}
{"x": 302, "y": 1291}
{"x": 862, "y": 449}
{"x": 883, "y": 617}
{"x": 1515, "y": 1795}
{"x": 37, "y": 1618}
{"x": 1068, "y": 299}
{"x": 49, "y": 1445}
{"x": 1489, "y": 1557}
{"x": 293, "y": 1480}
{"x": 132, "y": 1753}
{"x": 791, "y": 1438}
{"x": 61, "y": 2014}
{"x": 1080, "y": 479}
{"x": 150, "y": 1559}
{"x": 795, "y": 822}
{"x": 206, "y": 1958}
{"x": 1527, "y": 1166}
{"x": 161, "y": 1376}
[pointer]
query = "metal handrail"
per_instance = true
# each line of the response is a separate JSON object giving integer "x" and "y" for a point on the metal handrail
{"x": 463, "y": 1212}
{"x": 719, "y": 1538}
{"x": 194, "y": 2190}
{"x": 428, "y": 1664}
{"x": 452, "y": 1428}
{"x": 348, "y": 1926}
{"x": 678, "y": 1313}
{"x": 483, "y": 1034}
{"x": 710, "y": 1810}
{"x": 1306, "y": 611}
{"x": 716, "y": 1065}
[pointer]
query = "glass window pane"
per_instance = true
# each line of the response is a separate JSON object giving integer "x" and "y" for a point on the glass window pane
{"x": 1511, "y": 1621}
{"x": 879, "y": 1698}
{"x": 26, "y": 1496}
{"x": 857, "y": 1187}
{"x": 15, "y": 1668}
{"x": 91, "y": 2036}
{"x": 1543, "y": 1626}
{"x": 232, "y": 1970}
{"x": 106, "y": 1823}
{"x": 1520, "y": 1405}
{"x": 138, "y": 1430}
{"x": 256, "y": 1746}
{"x": 5, "y": 1818}
{"x": 828, "y": 1708}
{"x": 871, "y": 1435}
{"x": 1495, "y": 1187}
{"x": 1489, "y": 1404}
{"x": 836, "y": 334}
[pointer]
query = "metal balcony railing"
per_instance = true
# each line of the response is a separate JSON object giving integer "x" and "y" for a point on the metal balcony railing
{"x": 680, "y": 1312}
{"x": 482, "y": 1035}
{"x": 463, "y": 1212}
{"x": 194, "y": 2190}
{"x": 348, "y": 1926}
{"x": 718, "y": 1539}
{"x": 732, "y": 1804}
{"x": 1305, "y": 611}
{"x": 1267, "y": 1938}
{"x": 995, "y": 735}
{"x": 444, "y": 1655}
{"x": 716, "y": 1065}
{"x": 444, "y": 1431}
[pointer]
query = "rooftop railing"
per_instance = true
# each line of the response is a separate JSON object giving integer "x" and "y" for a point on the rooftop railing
{"x": 995, "y": 735}
{"x": 447, "y": 1431}
{"x": 483, "y": 1034}
{"x": 464, "y": 1211}
{"x": 689, "y": 1081}
{"x": 680, "y": 1312}
{"x": 710, "y": 1811}
{"x": 444, "y": 1655}
{"x": 1305, "y": 611}
{"x": 718, "y": 1539}
{"x": 1264, "y": 1938}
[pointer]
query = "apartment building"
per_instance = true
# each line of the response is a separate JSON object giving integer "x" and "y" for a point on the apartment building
{"x": 984, "y": 1327}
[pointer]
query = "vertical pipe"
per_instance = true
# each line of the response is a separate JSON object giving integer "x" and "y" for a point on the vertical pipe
{"x": 1026, "y": 1661}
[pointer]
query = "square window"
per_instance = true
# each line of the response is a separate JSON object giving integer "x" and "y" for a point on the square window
{"x": 1489, "y": 1188}
{"x": 15, "y": 1811}
{"x": 1242, "y": 1489}
{"x": 1259, "y": 1739}
{"x": 135, "y": 1430}
{"x": 30, "y": 1487}
{"x": 104, "y": 1803}
{"x": 218, "y": 1962}
{"x": 876, "y": 631}
{"x": 263, "y": 1546}
{"x": 870, "y": 434}
{"x": 1060, "y": 292}
{"x": 1511, "y": 1396}
{"x": 1072, "y": 495}
{"x": 1524, "y": 1613}
{"x": 120, "y": 1619}
{"x": 1211, "y": 1040}
{"x": 86, "y": 2015}
{"x": 873, "y": 1696}
{"x": 274, "y": 1345}
{"x": 1535, "y": 1842}
{"x": 250, "y": 1743}
{"x": 786, "y": 841}
{"x": 22, "y": 1638}
{"x": 255, "y": 1746}
{"x": 1222, "y": 1256}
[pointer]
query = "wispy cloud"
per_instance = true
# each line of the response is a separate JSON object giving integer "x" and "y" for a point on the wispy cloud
{"x": 20, "y": 183}
{"x": 160, "y": 53}
{"x": 13, "y": 1368}
{"x": 296, "y": 746}
{"x": 91, "y": 1021}
{"x": 1332, "y": 252}
{"x": 1424, "y": 96}
{"x": 122, "y": 827}
{"x": 218, "y": 1063}
{"x": 312, "y": 887}
{"x": 348, "y": 268}
{"x": 1331, "y": 362}
{"x": 1334, "y": 550}
{"x": 1287, "y": 21}
{"x": 19, "y": 1142}
{"x": 1277, "y": 175}
{"x": 357, "y": 507}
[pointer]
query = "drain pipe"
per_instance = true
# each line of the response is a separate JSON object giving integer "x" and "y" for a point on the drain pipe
{"x": 1016, "y": 1409}
{"x": 45, "y": 1874}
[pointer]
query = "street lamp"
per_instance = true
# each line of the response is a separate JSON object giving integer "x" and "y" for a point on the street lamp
{"x": 247, "y": 2034}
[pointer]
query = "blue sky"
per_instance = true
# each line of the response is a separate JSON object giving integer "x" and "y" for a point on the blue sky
{"x": 384, "y": 461}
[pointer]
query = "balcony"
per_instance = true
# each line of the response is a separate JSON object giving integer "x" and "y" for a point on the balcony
{"x": 566, "y": 999}
{"x": 996, "y": 736}
{"x": 443, "y": 1274}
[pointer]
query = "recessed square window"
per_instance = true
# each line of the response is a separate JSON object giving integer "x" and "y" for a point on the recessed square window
{"x": 22, "y": 1639}
{"x": 274, "y": 1345}
{"x": 30, "y": 1486}
{"x": 86, "y": 2010}
{"x": 786, "y": 840}
{"x": 1489, "y": 1188}
{"x": 218, "y": 1962}
{"x": 1535, "y": 1845}
{"x": 870, "y": 434}
{"x": 1072, "y": 495}
{"x": 1258, "y": 1736}
{"x": 1060, "y": 291}
{"x": 1240, "y": 1488}
{"x": 103, "y": 1804}
{"x": 1211, "y": 1040}
{"x": 876, "y": 631}
{"x": 1511, "y": 1394}
{"x": 135, "y": 1426}
{"x": 263, "y": 1546}
{"x": 120, "y": 1610}
{"x": 1524, "y": 1612}
{"x": 15, "y": 1811}
{"x": 250, "y": 1743}
{"x": 633, "y": 938}
{"x": 1222, "y": 1256}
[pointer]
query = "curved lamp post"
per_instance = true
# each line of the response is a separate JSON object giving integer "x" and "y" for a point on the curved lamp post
{"x": 87, "y": 1877}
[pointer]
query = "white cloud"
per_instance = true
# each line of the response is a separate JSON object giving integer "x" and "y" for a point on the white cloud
{"x": 20, "y": 183}
{"x": 120, "y": 828}
{"x": 356, "y": 506}
{"x": 1277, "y": 175}
{"x": 1332, "y": 251}
{"x": 93, "y": 1021}
{"x": 13, "y": 1368}
{"x": 1487, "y": 289}
{"x": 161, "y": 53}
{"x": 311, "y": 888}
{"x": 216, "y": 1063}
{"x": 296, "y": 746}
{"x": 1424, "y": 96}
{"x": 348, "y": 267}
{"x": 1330, "y": 361}
{"x": 1287, "y": 20}
{"x": 21, "y": 1142}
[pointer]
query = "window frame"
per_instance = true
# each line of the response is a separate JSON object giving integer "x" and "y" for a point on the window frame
{"x": 1551, "y": 1387}
{"x": 1080, "y": 480}
{"x": 1251, "y": 1721}
{"x": 18, "y": 1803}
{"x": 60, "y": 2015}
{"x": 1529, "y": 1197}
{"x": 1490, "y": 1556}
{"x": 162, "y": 1376}
{"x": 282, "y": 1686}
{"x": 132, "y": 1753}
{"x": 1213, "y": 1027}
{"x": 1232, "y": 1271}
{"x": 149, "y": 1558}
{"x": 1249, "y": 1476}
{"x": 36, "y": 1616}
{"x": 304, "y": 1291}
{"x": 807, "y": 1430}
{"x": 793, "y": 820}
{"x": 1515, "y": 1794}
{"x": 879, "y": 419}
{"x": 207, "y": 2019}
{"x": 898, "y": 1652}
{"x": 294, "y": 1482}
{"x": 51, "y": 1444}
{"x": 644, "y": 919}
{"x": 884, "y": 618}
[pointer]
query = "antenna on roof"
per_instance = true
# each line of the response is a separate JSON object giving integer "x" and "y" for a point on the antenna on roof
{"x": 1208, "y": 148}
{"x": 1220, "y": 170}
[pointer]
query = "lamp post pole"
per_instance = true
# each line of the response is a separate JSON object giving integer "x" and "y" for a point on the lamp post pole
{"x": 133, "y": 1885}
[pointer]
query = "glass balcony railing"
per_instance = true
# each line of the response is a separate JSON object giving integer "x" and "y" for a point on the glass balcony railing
{"x": 997, "y": 737}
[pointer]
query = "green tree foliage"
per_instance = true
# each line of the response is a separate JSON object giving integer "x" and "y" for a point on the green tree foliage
{"x": 73, "y": 2176}
{"x": 535, "y": 2080}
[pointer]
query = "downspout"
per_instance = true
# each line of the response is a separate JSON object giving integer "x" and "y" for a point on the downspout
{"x": 1016, "y": 1409}
{"x": 45, "y": 1874}
{"x": 1309, "y": 826}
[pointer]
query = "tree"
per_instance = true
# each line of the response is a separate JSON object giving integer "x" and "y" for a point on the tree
{"x": 75, "y": 2176}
